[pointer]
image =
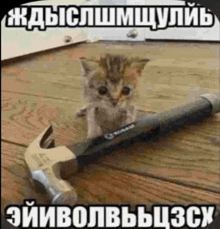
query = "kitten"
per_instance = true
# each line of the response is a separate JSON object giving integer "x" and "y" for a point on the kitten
{"x": 109, "y": 86}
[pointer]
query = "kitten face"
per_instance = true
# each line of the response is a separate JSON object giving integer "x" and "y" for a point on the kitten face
{"x": 112, "y": 80}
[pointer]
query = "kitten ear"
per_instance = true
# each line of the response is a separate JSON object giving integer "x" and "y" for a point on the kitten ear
{"x": 139, "y": 64}
{"x": 88, "y": 66}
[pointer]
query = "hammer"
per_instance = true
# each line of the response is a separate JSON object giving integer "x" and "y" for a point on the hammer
{"x": 51, "y": 166}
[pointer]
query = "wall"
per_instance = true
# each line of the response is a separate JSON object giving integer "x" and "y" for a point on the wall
{"x": 17, "y": 41}
{"x": 207, "y": 34}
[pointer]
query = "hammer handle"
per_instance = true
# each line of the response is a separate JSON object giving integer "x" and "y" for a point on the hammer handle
{"x": 193, "y": 112}
{"x": 149, "y": 127}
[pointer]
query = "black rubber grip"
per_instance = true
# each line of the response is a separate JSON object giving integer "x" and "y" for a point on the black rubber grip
{"x": 190, "y": 113}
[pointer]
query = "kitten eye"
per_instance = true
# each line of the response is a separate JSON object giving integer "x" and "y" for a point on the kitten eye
{"x": 103, "y": 90}
{"x": 125, "y": 90}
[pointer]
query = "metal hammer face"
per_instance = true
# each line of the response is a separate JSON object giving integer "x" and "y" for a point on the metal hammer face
{"x": 46, "y": 161}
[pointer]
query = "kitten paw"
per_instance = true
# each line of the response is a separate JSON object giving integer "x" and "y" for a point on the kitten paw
{"x": 81, "y": 112}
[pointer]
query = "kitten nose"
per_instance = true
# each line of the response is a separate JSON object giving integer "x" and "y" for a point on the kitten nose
{"x": 114, "y": 101}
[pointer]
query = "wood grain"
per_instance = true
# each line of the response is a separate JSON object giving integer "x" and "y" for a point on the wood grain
{"x": 45, "y": 89}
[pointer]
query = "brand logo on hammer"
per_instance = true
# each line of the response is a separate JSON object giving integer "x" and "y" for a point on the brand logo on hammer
{"x": 111, "y": 135}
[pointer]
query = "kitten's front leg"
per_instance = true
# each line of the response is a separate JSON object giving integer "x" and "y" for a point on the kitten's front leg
{"x": 130, "y": 115}
{"x": 81, "y": 112}
{"x": 94, "y": 129}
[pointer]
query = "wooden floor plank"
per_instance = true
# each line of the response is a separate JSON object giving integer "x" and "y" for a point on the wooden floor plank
{"x": 157, "y": 91}
{"x": 97, "y": 184}
{"x": 194, "y": 55}
{"x": 25, "y": 116}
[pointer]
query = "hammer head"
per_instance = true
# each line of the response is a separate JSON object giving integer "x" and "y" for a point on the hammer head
{"x": 46, "y": 163}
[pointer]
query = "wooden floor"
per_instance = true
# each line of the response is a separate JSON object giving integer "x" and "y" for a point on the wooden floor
{"x": 45, "y": 88}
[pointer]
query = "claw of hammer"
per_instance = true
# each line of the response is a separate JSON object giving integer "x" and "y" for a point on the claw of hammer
{"x": 45, "y": 163}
